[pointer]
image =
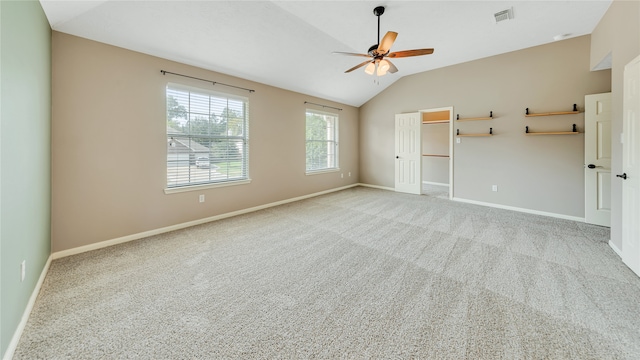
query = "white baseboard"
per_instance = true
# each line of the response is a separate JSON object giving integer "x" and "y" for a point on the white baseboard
{"x": 513, "y": 208}
{"x": 615, "y": 249}
{"x": 27, "y": 312}
{"x": 435, "y": 183}
{"x": 377, "y": 187}
{"x": 120, "y": 240}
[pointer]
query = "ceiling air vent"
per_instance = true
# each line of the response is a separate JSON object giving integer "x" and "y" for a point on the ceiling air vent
{"x": 503, "y": 15}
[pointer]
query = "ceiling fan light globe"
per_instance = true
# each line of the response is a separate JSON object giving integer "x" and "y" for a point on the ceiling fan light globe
{"x": 370, "y": 69}
{"x": 381, "y": 71}
{"x": 383, "y": 66}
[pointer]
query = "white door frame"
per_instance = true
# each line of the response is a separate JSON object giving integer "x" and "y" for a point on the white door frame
{"x": 451, "y": 140}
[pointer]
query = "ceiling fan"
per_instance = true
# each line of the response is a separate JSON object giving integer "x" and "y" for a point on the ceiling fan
{"x": 379, "y": 52}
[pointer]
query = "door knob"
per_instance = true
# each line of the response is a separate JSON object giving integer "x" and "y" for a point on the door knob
{"x": 623, "y": 176}
{"x": 591, "y": 166}
{"x": 397, "y": 157}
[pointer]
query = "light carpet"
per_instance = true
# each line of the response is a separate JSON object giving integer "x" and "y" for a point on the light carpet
{"x": 360, "y": 273}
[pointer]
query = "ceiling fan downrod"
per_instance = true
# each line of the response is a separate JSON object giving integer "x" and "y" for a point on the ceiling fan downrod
{"x": 378, "y": 11}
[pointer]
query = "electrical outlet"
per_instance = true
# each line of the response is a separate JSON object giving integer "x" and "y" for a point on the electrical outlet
{"x": 494, "y": 187}
{"x": 23, "y": 270}
{"x": 349, "y": 173}
{"x": 341, "y": 175}
{"x": 201, "y": 198}
{"x": 458, "y": 140}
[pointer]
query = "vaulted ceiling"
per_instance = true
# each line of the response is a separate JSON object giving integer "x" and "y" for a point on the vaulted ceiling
{"x": 289, "y": 44}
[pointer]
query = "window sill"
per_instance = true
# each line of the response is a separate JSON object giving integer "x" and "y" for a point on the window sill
{"x": 323, "y": 171}
{"x": 181, "y": 189}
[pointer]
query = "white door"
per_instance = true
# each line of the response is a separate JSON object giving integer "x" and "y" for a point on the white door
{"x": 631, "y": 167}
{"x": 408, "y": 153}
{"x": 597, "y": 158}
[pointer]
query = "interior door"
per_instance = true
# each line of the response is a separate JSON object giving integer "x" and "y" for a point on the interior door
{"x": 408, "y": 153}
{"x": 597, "y": 157}
{"x": 631, "y": 167}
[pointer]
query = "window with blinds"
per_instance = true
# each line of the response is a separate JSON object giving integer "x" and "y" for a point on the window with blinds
{"x": 207, "y": 137}
{"x": 321, "y": 141}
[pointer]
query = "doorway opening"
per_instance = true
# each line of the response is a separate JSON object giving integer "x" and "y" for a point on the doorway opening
{"x": 437, "y": 152}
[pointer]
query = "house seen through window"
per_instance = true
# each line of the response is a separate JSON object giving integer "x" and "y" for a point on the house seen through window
{"x": 321, "y": 141}
{"x": 207, "y": 137}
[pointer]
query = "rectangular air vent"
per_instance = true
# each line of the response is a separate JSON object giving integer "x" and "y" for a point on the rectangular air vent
{"x": 503, "y": 15}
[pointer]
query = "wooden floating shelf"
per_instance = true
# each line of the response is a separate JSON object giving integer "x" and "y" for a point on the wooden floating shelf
{"x": 436, "y": 122}
{"x": 574, "y": 130}
{"x": 490, "y": 117}
{"x": 574, "y": 111}
{"x": 553, "y": 113}
{"x": 474, "y": 119}
{"x": 485, "y": 134}
{"x": 554, "y": 133}
{"x": 461, "y": 135}
{"x": 443, "y": 156}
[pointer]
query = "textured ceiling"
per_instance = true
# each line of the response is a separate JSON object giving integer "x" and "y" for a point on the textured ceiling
{"x": 289, "y": 44}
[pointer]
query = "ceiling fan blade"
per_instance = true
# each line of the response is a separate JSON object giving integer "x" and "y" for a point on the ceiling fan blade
{"x": 351, "y": 54}
{"x": 359, "y": 66}
{"x": 407, "y": 53}
{"x": 392, "y": 68}
{"x": 386, "y": 42}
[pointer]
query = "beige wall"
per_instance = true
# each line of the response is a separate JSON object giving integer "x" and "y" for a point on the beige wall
{"x": 109, "y": 145}
{"x": 618, "y": 33}
{"x": 543, "y": 173}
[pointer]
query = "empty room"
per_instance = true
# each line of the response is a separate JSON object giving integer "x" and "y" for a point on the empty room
{"x": 319, "y": 179}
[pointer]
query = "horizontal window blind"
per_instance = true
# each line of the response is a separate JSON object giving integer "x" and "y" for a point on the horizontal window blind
{"x": 321, "y": 141}
{"x": 207, "y": 137}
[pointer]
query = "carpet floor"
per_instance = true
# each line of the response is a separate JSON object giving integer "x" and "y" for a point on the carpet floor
{"x": 360, "y": 273}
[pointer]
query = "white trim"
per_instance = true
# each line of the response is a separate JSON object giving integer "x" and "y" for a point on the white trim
{"x": 615, "y": 249}
{"x": 377, "y": 187}
{"x": 435, "y": 183}
{"x": 322, "y": 171}
{"x": 513, "y": 208}
{"x": 120, "y": 240}
{"x": 186, "y": 188}
{"x": 27, "y": 312}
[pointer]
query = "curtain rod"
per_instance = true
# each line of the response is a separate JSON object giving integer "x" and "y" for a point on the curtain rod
{"x": 324, "y": 106}
{"x": 209, "y": 81}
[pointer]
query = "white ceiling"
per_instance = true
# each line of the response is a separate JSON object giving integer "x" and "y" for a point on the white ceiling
{"x": 289, "y": 44}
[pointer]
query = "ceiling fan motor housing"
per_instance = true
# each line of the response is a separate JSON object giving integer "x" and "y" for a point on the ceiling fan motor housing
{"x": 372, "y": 50}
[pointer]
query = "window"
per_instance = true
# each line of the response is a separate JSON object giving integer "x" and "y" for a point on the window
{"x": 322, "y": 141}
{"x": 207, "y": 137}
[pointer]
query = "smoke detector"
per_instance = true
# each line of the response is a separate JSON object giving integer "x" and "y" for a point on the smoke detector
{"x": 503, "y": 15}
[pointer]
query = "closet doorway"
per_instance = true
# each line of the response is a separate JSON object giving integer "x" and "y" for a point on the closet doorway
{"x": 437, "y": 152}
